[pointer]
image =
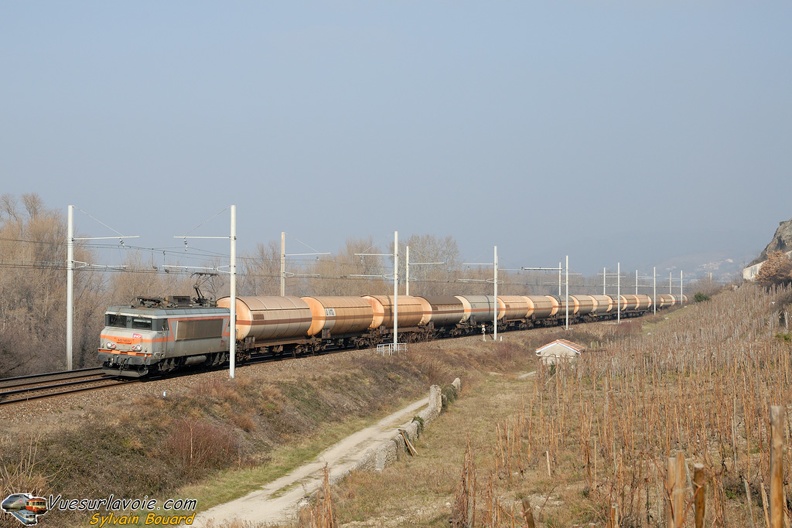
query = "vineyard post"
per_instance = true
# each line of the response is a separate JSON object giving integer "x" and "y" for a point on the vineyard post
{"x": 700, "y": 491}
{"x": 675, "y": 488}
{"x": 777, "y": 498}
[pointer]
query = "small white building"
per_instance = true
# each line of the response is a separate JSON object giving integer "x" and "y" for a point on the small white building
{"x": 559, "y": 350}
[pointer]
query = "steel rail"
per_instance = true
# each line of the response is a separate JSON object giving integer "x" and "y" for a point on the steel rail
{"x": 21, "y": 381}
{"x": 40, "y": 390}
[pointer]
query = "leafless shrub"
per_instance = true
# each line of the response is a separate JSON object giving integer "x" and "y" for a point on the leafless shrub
{"x": 322, "y": 513}
{"x": 200, "y": 445}
{"x": 23, "y": 476}
{"x": 463, "y": 511}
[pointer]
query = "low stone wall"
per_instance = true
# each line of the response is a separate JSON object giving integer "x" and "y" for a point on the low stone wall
{"x": 390, "y": 450}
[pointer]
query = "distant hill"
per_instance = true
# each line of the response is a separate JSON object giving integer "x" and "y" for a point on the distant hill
{"x": 782, "y": 241}
{"x": 719, "y": 266}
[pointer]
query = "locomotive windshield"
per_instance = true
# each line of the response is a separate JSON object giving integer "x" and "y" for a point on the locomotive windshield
{"x": 116, "y": 320}
{"x": 142, "y": 323}
{"x": 131, "y": 321}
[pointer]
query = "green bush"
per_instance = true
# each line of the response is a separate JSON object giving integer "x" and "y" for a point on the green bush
{"x": 448, "y": 396}
{"x": 785, "y": 337}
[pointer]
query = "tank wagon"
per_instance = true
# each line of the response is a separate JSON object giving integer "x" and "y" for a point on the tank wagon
{"x": 155, "y": 335}
{"x": 270, "y": 322}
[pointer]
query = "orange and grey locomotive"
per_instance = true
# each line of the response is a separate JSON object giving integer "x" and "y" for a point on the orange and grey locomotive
{"x": 160, "y": 335}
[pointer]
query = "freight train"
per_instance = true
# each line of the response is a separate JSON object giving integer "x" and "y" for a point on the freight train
{"x": 155, "y": 335}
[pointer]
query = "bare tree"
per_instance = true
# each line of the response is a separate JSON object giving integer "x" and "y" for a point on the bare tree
{"x": 777, "y": 269}
{"x": 260, "y": 273}
{"x": 359, "y": 269}
{"x": 9, "y": 209}
{"x": 434, "y": 265}
{"x": 33, "y": 204}
{"x": 32, "y": 289}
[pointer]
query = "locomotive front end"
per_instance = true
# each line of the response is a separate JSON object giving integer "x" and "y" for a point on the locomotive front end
{"x": 131, "y": 341}
{"x": 160, "y": 335}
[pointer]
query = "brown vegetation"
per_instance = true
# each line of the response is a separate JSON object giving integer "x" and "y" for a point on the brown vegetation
{"x": 590, "y": 444}
{"x": 777, "y": 270}
{"x": 33, "y": 291}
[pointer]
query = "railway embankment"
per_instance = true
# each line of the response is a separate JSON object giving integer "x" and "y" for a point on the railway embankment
{"x": 207, "y": 437}
{"x": 372, "y": 448}
{"x": 400, "y": 441}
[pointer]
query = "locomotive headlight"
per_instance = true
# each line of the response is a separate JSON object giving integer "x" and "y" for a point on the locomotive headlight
{"x": 137, "y": 348}
{"x": 110, "y": 345}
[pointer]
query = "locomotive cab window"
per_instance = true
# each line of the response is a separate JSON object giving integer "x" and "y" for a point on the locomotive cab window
{"x": 116, "y": 320}
{"x": 142, "y": 323}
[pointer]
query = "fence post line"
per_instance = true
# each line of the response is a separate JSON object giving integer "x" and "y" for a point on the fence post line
{"x": 700, "y": 491}
{"x": 777, "y": 499}
{"x": 675, "y": 488}
{"x": 669, "y": 489}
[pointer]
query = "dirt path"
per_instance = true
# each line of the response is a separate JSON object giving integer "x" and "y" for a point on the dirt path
{"x": 278, "y": 501}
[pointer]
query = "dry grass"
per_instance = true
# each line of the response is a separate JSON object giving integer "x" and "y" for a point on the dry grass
{"x": 589, "y": 444}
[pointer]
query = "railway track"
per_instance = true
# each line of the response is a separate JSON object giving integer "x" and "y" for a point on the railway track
{"x": 40, "y": 386}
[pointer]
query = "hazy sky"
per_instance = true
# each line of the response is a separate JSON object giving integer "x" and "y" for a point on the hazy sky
{"x": 608, "y": 131}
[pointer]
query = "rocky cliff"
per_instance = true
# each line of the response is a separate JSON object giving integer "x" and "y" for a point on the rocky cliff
{"x": 782, "y": 241}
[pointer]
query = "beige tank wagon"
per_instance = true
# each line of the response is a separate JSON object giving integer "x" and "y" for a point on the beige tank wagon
{"x": 265, "y": 321}
{"x": 335, "y": 317}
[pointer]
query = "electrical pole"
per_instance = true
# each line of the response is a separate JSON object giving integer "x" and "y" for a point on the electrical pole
{"x": 567, "y": 293}
{"x": 495, "y": 293}
{"x": 70, "y": 288}
{"x": 618, "y": 292}
{"x": 395, "y": 291}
